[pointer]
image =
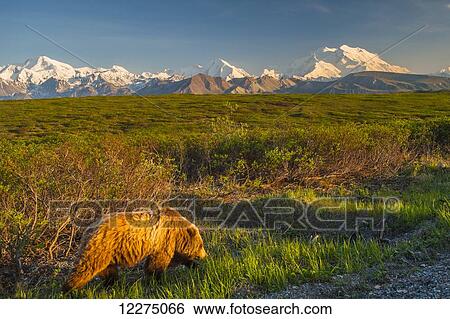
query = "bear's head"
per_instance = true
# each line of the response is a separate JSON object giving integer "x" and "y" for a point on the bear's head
{"x": 189, "y": 249}
{"x": 187, "y": 242}
{"x": 198, "y": 251}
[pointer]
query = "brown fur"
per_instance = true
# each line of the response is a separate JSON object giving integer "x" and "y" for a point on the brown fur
{"x": 125, "y": 239}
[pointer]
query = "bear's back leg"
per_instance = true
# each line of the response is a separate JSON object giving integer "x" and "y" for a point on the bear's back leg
{"x": 90, "y": 265}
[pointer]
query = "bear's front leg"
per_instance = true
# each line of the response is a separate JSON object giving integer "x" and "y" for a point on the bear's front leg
{"x": 191, "y": 264}
{"x": 110, "y": 275}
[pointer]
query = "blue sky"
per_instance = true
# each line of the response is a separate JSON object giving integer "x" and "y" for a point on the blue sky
{"x": 149, "y": 35}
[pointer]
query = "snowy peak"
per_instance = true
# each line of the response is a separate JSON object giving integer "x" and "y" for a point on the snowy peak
{"x": 221, "y": 68}
{"x": 444, "y": 72}
{"x": 119, "y": 69}
{"x": 216, "y": 68}
{"x": 43, "y": 62}
{"x": 117, "y": 75}
{"x": 41, "y": 68}
{"x": 271, "y": 73}
{"x": 164, "y": 75}
{"x": 330, "y": 63}
{"x": 37, "y": 70}
{"x": 84, "y": 71}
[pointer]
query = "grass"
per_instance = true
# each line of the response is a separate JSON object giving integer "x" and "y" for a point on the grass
{"x": 190, "y": 115}
{"x": 265, "y": 265}
{"x": 230, "y": 148}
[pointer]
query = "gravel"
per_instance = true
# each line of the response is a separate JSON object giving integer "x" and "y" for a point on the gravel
{"x": 411, "y": 281}
{"x": 428, "y": 281}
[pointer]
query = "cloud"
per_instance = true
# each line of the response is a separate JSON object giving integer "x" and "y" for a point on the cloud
{"x": 316, "y": 5}
{"x": 448, "y": 5}
{"x": 322, "y": 8}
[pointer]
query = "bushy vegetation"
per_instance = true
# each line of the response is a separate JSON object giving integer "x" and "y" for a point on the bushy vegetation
{"x": 253, "y": 262}
{"x": 227, "y": 147}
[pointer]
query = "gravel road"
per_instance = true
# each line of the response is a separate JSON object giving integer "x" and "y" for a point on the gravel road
{"x": 418, "y": 281}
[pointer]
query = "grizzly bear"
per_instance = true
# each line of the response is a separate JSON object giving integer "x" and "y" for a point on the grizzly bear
{"x": 124, "y": 239}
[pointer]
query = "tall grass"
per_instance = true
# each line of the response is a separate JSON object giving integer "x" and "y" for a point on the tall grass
{"x": 261, "y": 264}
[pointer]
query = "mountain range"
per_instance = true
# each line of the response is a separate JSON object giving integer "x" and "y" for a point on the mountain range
{"x": 331, "y": 63}
{"x": 327, "y": 70}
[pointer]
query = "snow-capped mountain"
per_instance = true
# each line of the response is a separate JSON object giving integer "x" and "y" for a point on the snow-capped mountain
{"x": 216, "y": 68}
{"x": 444, "y": 72}
{"x": 223, "y": 69}
{"x": 271, "y": 73}
{"x": 37, "y": 70}
{"x": 164, "y": 75}
{"x": 43, "y": 77}
{"x": 331, "y": 63}
{"x": 117, "y": 75}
